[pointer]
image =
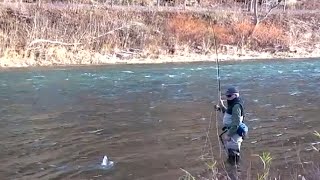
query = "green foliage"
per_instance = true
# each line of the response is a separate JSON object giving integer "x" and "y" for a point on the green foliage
{"x": 266, "y": 160}
{"x": 316, "y": 133}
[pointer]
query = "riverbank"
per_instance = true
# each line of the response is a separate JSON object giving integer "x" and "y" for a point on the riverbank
{"x": 99, "y": 59}
{"x": 64, "y": 34}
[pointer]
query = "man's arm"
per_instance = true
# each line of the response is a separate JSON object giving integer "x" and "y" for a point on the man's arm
{"x": 236, "y": 115}
{"x": 222, "y": 106}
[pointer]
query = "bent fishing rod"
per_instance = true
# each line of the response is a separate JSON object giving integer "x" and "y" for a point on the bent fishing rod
{"x": 218, "y": 67}
{"x": 219, "y": 92}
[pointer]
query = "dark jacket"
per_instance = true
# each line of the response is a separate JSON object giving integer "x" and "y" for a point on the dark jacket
{"x": 235, "y": 108}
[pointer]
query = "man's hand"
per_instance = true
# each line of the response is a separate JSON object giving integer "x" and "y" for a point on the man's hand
{"x": 220, "y": 106}
{"x": 217, "y": 107}
{"x": 221, "y": 102}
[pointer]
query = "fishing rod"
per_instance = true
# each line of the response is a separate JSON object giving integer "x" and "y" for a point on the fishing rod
{"x": 220, "y": 140}
{"x": 218, "y": 66}
{"x": 219, "y": 94}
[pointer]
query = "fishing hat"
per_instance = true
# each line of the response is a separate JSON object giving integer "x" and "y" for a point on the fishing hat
{"x": 232, "y": 90}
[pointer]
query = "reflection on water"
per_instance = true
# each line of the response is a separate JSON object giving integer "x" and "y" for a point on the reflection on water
{"x": 151, "y": 120}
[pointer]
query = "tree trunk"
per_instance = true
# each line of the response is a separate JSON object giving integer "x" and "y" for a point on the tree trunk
{"x": 284, "y": 5}
{"x": 255, "y": 11}
{"x": 251, "y": 5}
{"x": 246, "y": 5}
{"x": 266, "y": 5}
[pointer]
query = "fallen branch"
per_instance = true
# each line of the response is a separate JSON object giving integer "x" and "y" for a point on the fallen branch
{"x": 39, "y": 41}
{"x": 114, "y": 30}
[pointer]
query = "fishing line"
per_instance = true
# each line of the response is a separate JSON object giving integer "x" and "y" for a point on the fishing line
{"x": 220, "y": 140}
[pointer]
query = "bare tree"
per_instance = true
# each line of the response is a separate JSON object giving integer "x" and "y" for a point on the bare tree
{"x": 284, "y": 6}
{"x": 257, "y": 17}
{"x": 255, "y": 11}
{"x": 249, "y": 4}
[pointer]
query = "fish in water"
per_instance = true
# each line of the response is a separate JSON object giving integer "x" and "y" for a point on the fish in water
{"x": 106, "y": 163}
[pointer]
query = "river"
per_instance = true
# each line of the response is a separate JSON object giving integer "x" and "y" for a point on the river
{"x": 151, "y": 120}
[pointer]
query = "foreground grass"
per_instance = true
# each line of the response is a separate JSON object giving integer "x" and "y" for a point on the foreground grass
{"x": 215, "y": 172}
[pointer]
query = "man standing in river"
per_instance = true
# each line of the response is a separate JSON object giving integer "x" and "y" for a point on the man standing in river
{"x": 233, "y": 116}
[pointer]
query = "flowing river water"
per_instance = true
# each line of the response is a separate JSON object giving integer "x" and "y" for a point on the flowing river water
{"x": 152, "y": 120}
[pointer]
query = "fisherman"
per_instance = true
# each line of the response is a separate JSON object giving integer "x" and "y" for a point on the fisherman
{"x": 234, "y": 128}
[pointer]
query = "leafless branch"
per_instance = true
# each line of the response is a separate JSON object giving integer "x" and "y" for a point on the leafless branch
{"x": 39, "y": 41}
{"x": 270, "y": 10}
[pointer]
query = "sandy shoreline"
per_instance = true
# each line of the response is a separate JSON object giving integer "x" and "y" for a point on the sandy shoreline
{"x": 99, "y": 59}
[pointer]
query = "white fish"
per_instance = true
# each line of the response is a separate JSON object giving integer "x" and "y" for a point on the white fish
{"x": 105, "y": 162}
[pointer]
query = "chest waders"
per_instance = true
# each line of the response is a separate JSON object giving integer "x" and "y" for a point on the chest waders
{"x": 234, "y": 144}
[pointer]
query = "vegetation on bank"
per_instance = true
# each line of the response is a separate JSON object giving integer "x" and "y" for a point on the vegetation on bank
{"x": 62, "y": 34}
{"x": 264, "y": 168}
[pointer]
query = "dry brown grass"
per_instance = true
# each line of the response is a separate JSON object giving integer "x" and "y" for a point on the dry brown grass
{"x": 41, "y": 34}
{"x": 189, "y": 29}
{"x": 36, "y": 31}
{"x": 268, "y": 35}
